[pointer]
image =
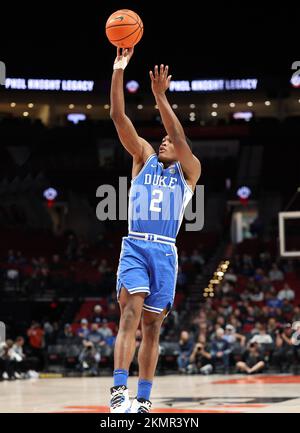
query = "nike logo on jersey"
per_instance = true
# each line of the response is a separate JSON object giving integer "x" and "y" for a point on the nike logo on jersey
{"x": 153, "y": 165}
{"x": 169, "y": 254}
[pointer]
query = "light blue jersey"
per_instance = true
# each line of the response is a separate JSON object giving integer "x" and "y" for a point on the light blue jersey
{"x": 158, "y": 198}
{"x": 148, "y": 261}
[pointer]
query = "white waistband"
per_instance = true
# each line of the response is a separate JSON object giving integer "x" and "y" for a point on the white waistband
{"x": 152, "y": 237}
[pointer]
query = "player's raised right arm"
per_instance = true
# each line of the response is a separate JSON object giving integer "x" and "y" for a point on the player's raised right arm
{"x": 139, "y": 148}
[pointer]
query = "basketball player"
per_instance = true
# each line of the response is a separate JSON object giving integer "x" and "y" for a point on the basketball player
{"x": 161, "y": 187}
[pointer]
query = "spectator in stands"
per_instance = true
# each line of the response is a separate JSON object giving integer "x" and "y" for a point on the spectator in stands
{"x": 287, "y": 309}
{"x": 10, "y": 256}
{"x": 113, "y": 313}
{"x": 95, "y": 336}
{"x": 227, "y": 289}
{"x": 12, "y": 278}
{"x": 259, "y": 275}
{"x": 103, "y": 267}
{"x": 199, "y": 361}
{"x": 271, "y": 299}
{"x": 275, "y": 273}
{"x": 20, "y": 259}
{"x": 36, "y": 341}
{"x": 236, "y": 341}
{"x": 105, "y": 330}
{"x": 185, "y": 350}
{"x": 97, "y": 315}
{"x": 220, "y": 351}
{"x": 256, "y": 295}
{"x": 296, "y": 314}
{"x": 19, "y": 358}
{"x": 67, "y": 332}
{"x": 7, "y": 363}
{"x": 89, "y": 358}
{"x": 272, "y": 327}
{"x": 249, "y": 316}
{"x": 283, "y": 354}
{"x": 264, "y": 341}
{"x": 286, "y": 293}
{"x": 83, "y": 331}
{"x": 230, "y": 276}
{"x": 252, "y": 360}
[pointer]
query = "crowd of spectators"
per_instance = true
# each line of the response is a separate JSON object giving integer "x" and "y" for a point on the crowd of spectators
{"x": 246, "y": 327}
{"x": 72, "y": 271}
{"x": 250, "y": 325}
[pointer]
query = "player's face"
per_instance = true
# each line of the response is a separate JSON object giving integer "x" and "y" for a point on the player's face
{"x": 166, "y": 152}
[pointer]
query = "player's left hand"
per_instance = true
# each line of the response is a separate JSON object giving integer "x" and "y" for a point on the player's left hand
{"x": 160, "y": 80}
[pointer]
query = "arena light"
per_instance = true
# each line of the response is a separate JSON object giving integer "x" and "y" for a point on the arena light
{"x": 30, "y": 105}
{"x": 174, "y": 106}
{"x": 250, "y": 104}
{"x": 106, "y": 107}
{"x": 192, "y": 116}
{"x": 71, "y": 106}
{"x": 243, "y": 115}
{"x": 140, "y": 107}
{"x": 132, "y": 86}
{"x": 13, "y": 104}
{"x": 267, "y": 103}
{"x": 214, "y": 114}
{"x": 25, "y": 114}
{"x": 214, "y": 105}
{"x": 216, "y": 279}
{"x": 192, "y": 106}
{"x": 243, "y": 192}
{"x": 50, "y": 193}
{"x": 89, "y": 106}
{"x": 295, "y": 81}
{"x": 76, "y": 117}
{"x": 232, "y": 104}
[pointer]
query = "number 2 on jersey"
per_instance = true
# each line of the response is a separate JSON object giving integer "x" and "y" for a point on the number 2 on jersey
{"x": 157, "y": 197}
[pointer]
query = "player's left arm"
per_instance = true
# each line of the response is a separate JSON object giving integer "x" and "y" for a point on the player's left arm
{"x": 160, "y": 81}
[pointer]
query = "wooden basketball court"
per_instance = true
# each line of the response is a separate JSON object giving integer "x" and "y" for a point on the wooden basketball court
{"x": 176, "y": 394}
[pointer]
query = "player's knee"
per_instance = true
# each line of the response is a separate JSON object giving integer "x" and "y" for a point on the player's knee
{"x": 151, "y": 329}
{"x": 129, "y": 317}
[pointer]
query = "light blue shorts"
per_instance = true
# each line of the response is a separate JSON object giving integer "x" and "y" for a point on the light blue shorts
{"x": 148, "y": 267}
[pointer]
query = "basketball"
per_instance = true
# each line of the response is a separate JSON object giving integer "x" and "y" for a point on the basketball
{"x": 124, "y": 28}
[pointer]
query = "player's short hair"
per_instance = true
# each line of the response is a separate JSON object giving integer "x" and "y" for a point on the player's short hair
{"x": 189, "y": 142}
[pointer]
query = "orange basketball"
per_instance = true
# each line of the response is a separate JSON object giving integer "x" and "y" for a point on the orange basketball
{"x": 124, "y": 28}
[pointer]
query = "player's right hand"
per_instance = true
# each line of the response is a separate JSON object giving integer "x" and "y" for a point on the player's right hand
{"x": 123, "y": 57}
